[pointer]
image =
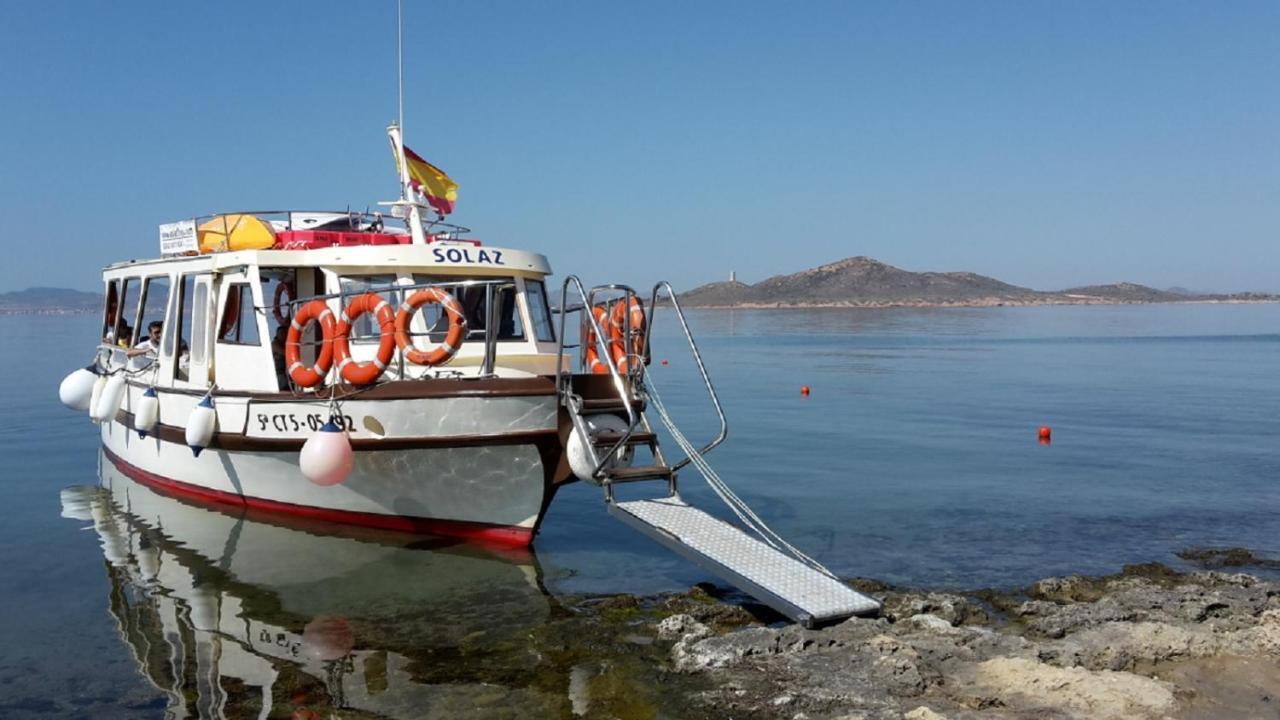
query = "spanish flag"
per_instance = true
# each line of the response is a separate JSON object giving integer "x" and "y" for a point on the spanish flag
{"x": 441, "y": 191}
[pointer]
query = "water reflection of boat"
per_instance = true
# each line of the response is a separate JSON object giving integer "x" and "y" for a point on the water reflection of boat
{"x": 234, "y": 617}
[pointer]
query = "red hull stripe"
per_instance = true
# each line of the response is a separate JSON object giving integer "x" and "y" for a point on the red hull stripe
{"x": 503, "y": 535}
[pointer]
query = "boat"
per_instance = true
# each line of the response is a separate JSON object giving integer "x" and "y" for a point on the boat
{"x": 389, "y": 370}
{"x": 266, "y": 347}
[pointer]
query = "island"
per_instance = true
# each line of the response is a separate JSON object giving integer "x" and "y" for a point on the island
{"x": 866, "y": 282}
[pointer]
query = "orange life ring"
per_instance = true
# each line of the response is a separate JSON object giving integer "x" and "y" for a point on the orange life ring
{"x": 453, "y": 340}
{"x": 594, "y": 363}
{"x": 304, "y": 376}
{"x": 622, "y": 350}
{"x": 282, "y": 287}
{"x": 368, "y": 372}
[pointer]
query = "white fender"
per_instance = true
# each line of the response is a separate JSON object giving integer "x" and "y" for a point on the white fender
{"x": 94, "y": 394}
{"x": 200, "y": 426}
{"x": 146, "y": 413}
{"x": 110, "y": 398}
{"x": 580, "y": 458}
{"x": 326, "y": 457}
{"x": 77, "y": 388}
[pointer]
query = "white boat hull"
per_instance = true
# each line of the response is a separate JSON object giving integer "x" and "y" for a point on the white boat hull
{"x": 473, "y": 467}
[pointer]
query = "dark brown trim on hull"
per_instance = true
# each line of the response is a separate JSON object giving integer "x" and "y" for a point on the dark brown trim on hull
{"x": 242, "y": 443}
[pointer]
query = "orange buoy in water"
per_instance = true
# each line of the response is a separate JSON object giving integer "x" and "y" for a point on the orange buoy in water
{"x": 804, "y": 390}
{"x": 664, "y": 362}
{"x": 1046, "y": 435}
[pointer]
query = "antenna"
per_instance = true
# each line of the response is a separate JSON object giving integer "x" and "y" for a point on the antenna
{"x": 400, "y": 60}
{"x": 406, "y": 207}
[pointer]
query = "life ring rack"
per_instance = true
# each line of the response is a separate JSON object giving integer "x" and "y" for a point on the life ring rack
{"x": 614, "y": 321}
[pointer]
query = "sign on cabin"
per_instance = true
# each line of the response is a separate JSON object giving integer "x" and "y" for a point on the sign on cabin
{"x": 178, "y": 238}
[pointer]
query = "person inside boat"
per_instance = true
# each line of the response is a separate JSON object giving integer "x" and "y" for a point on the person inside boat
{"x": 145, "y": 353}
{"x": 148, "y": 348}
{"x": 277, "y": 354}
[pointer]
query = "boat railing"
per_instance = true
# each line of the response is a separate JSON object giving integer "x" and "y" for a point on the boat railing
{"x": 356, "y": 221}
{"x": 670, "y": 296}
{"x": 591, "y": 331}
{"x": 397, "y": 293}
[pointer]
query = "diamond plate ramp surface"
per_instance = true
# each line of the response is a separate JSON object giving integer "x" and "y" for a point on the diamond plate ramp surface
{"x": 778, "y": 580}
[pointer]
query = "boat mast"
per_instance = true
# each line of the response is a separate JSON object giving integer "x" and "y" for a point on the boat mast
{"x": 408, "y": 207}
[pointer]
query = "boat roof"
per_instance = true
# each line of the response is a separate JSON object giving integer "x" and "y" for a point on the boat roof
{"x": 441, "y": 258}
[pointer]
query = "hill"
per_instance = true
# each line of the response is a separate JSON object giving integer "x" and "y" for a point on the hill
{"x": 49, "y": 300}
{"x": 1127, "y": 292}
{"x": 866, "y": 282}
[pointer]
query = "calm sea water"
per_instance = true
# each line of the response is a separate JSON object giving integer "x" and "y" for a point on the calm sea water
{"x": 914, "y": 460}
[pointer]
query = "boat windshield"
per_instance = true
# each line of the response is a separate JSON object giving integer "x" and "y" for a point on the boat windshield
{"x": 472, "y": 300}
{"x": 475, "y": 309}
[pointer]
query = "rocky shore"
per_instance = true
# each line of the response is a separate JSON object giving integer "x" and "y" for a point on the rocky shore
{"x": 1148, "y": 642}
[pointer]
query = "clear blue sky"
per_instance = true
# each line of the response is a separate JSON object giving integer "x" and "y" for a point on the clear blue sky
{"x": 1045, "y": 143}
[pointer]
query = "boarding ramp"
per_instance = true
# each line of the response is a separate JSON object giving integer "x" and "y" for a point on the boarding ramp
{"x": 755, "y": 560}
{"x": 802, "y": 593}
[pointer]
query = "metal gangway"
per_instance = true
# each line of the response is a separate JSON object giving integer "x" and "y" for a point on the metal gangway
{"x": 753, "y": 557}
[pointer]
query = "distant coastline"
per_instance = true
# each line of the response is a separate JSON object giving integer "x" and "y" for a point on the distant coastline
{"x": 984, "y": 303}
{"x": 862, "y": 282}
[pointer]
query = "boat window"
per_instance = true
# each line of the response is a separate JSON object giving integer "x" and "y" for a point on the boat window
{"x": 365, "y": 328}
{"x": 535, "y": 295}
{"x": 239, "y": 324}
{"x": 126, "y": 327}
{"x": 199, "y": 326}
{"x": 181, "y": 309}
{"x": 279, "y": 289}
{"x": 155, "y": 297}
{"x": 472, "y": 300}
{"x": 110, "y": 311}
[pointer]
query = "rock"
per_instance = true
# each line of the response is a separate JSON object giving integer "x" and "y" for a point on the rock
{"x": 1122, "y": 646}
{"x": 682, "y": 627}
{"x": 702, "y": 606}
{"x": 931, "y": 622}
{"x": 1262, "y": 638}
{"x": 1072, "y": 647}
{"x": 954, "y": 609}
{"x": 1102, "y": 695}
{"x": 1226, "y": 557}
{"x": 1065, "y": 590}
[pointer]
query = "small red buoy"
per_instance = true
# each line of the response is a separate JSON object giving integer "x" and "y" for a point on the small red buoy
{"x": 1046, "y": 435}
{"x": 664, "y": 362}
{"x": 804, "y": 390}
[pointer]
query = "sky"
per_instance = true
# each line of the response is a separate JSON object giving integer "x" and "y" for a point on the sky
{"x": 1047, "y": 144}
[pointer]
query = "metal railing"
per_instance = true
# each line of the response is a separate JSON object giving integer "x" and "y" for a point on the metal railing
{"x": 697, "y": 358}
{"x": 564, "y": 384}
{"x": 339, "y": 220}
{"x": 396, "y": 295}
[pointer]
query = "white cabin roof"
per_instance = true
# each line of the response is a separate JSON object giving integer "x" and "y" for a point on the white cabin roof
{"x": 439, "y": 258}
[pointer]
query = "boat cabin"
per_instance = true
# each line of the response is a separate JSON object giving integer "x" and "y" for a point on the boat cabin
{"x": 225, "y": 315}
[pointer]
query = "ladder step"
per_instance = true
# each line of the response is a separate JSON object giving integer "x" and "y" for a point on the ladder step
{"x": 638, "y": 472}
{"x": 607, "y": 405}
{"x": 607, "y": 438}
{"x": 780, "y": 581}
